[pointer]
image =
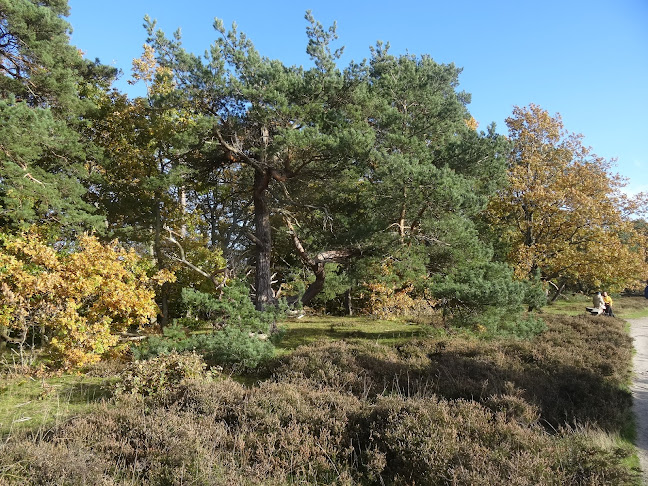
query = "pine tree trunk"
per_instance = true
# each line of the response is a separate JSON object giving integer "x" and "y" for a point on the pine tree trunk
{"x": 263, "y": 234}
{"x": 315, "y": 287}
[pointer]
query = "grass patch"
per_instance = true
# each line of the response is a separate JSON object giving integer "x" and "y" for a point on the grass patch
{"x": 309, "y": 329}
{"x": 571, "y": 305}
{"x": 30, "y": 404}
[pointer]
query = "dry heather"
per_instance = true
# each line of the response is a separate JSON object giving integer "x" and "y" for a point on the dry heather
{"x": 574, "y": 373}
{"x": 428, "y": 412}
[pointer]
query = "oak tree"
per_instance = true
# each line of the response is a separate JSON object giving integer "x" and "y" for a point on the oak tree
{"x": 73, "y": 301}
{"x": 563, "y": 213}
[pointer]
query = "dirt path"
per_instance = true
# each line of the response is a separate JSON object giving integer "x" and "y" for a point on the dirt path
{"x": 639, "y": 331}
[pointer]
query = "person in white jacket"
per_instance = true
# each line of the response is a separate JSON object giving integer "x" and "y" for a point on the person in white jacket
{"x": 598, "y": 305}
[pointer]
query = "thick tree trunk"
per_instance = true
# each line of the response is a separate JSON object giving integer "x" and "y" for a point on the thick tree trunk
{"x": 263, "y": 240}
{"x": 315, "y": 287}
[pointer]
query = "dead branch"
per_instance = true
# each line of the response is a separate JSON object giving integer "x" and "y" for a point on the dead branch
{"x": 32, "y": 178}
{"x": 183, "y": 259}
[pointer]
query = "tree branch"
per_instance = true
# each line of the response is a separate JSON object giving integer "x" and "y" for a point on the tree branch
{"x": 184, "y": 261}
{"x": 298, "y": 244}
{"x": 238, "y": 151}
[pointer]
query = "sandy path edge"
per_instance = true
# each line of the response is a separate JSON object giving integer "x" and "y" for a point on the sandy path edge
{"x": 639, "y": 332}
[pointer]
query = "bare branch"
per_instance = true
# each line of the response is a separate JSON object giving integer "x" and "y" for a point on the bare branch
{"x": 253, "y": 238}
{"x": 298, "y": 244}
{"x": 238, "y": 150}
{"x": 32, "y": 178}
{"x": 183, "y": 259}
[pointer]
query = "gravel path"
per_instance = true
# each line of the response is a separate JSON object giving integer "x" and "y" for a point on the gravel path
{"x": 639, "y": 331}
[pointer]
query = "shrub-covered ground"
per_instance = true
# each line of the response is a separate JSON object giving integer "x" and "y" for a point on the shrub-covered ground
{"x": 428, "y": 411}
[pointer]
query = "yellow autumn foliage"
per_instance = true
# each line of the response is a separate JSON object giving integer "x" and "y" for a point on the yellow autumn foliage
{"x": 385, "y": 302}
{"x": 78, "y": 300}
{"x": 563, "y": 212}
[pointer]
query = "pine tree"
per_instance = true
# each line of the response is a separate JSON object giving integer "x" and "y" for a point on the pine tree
{"x": 263, "y": 123}
{"x": 45, "y": 91}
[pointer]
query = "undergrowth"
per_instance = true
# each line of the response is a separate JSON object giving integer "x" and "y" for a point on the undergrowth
{"x": 435, "y": 410}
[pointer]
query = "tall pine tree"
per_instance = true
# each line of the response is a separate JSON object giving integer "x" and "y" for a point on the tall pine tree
{"x": 45, "y": 92}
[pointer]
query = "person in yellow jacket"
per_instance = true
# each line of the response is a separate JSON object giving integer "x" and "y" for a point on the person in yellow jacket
{"x": 608, "y": 304}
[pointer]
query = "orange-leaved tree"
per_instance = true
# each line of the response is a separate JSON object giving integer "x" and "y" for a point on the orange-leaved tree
{"x": 563, "y": 213}
{"x": 72, "y": 302}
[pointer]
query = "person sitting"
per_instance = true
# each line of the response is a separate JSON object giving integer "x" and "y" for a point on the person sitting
{"x": 598, "y": 305}
{"x": 607, "y": 300}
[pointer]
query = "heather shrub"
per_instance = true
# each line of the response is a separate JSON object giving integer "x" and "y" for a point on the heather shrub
{"x": 106, "y": 368}
{"x": 277, "y": 428}
{"x": 578, "y": 460}
{"x": 159, "y": 374}
{"x": 432, "y": 411}
{"x": 25, "y": 461}
{"x": 574, "y": 372}
{"x": 200, "y": 434}
{"x": 364, "y": 369}
{"x": 428, "y": 441}
{"x": 142, "y": 443}
{"x": 294, "y": 430}
{"x": 513, "y": 408}
{"x": 217, "y": 433}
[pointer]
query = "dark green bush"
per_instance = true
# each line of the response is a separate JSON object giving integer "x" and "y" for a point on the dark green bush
{"x": 173, "y": 339}
{"x": 485, "y": 292}
{"x": 233, "y": 308}
{"x": 241, "y": 336}
{"x": 231, "y": 346}
{"x": 235, "y": 347}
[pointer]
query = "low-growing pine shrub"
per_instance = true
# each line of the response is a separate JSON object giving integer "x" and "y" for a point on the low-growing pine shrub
{"x": 232, "y": 308}
{"x": 235, "y": 347}
{"x": 232, "y": 346}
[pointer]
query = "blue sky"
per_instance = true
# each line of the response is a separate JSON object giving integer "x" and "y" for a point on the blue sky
{"x": 587, "y": 60}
